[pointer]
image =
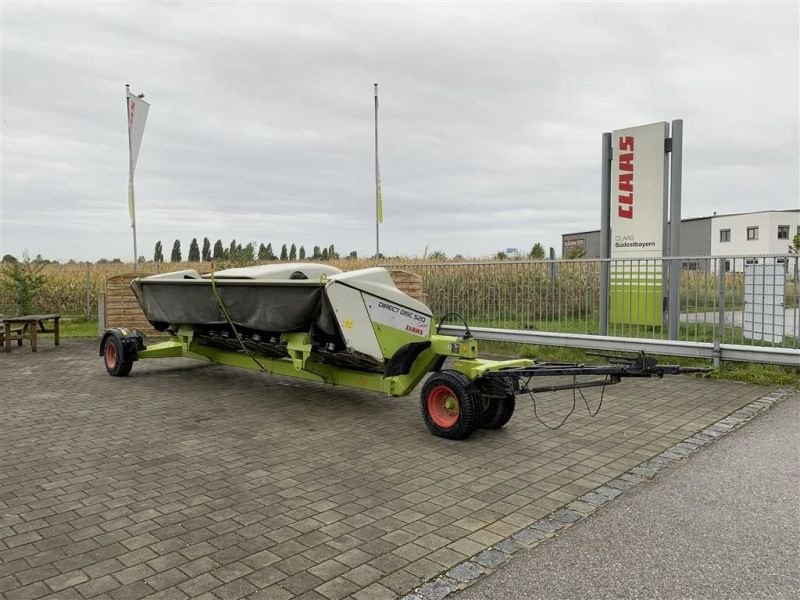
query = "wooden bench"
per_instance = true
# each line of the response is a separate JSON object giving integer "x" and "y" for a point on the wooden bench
{"x": 26, "y": 328}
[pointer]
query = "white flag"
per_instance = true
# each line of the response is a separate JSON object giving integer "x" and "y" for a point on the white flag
{"x": 137, "y": 116}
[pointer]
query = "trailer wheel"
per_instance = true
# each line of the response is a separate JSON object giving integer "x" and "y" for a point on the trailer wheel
{"x": 498, "y": 412}
{"x": 117, "y": 364}
{"x": 450, "y": 405}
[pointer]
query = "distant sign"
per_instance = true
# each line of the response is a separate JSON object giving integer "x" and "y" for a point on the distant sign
{"x": 580, "y": 242}
{"x": 638, "y": 214}
{"x": 638, "y": 190}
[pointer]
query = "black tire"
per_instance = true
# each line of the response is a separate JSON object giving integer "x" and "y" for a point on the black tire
{"x": 118, "y": 364}
{"x": 498, "y": 412}
{"x": 450, "y": 405}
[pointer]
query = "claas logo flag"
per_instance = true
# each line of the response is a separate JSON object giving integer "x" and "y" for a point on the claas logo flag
{"x": 137, "y": 117}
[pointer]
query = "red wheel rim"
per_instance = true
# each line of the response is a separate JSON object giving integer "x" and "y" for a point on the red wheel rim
{"x": 443, "y": 406}
{"x": 111, "y": 355}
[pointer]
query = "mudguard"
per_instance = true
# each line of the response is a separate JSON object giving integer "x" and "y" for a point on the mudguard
{"x": 131, "y": 341}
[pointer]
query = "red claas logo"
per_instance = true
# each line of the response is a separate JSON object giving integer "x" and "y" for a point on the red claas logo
{"x": 625, "y": 183}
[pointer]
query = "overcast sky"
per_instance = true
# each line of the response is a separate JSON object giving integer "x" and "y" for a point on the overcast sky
{"x": 491, "y": 115}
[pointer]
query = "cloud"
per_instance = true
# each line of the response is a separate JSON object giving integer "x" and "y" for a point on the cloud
{"x": 261, "y": 120}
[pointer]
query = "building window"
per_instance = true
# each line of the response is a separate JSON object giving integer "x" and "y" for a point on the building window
{"x": 752, "y": 233}
{"x": 724, "y": 235}
{"x": 783, "y": 232}
{"x": 727, "y": 265}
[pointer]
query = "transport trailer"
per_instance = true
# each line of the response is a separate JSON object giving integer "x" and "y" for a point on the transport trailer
{"x": 353, "y": 329}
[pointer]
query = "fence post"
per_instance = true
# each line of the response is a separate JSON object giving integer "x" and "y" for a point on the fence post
{"x": 552, "y": 267}
{"x": 676, "y": 171}
{"x": 101, "y": 313}
{"x": 88, "y": 291}
{"x": 719, "y": 335}
{"x": 605, "y": 230}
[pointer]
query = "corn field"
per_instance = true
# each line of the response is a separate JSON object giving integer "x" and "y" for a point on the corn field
{"x": 73, "y": 289}
{"x": 549, "y": 296}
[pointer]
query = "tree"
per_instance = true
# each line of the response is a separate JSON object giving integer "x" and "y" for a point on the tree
{"x": 158, "y": 254}
{"x": 219, "y": 251}
{"x": 332, "y": 254}
{"x": 262, "y": 252}
{"x": 438, "y": 255}
{"x": 576, "y": 252}
{"x": 501, "y": 256}
{"x": 794, "y": 248}
{"x": 317, "y": 253}
{"x": 249, "y": 252}
{"x": 293, "y": 252}
{"x": 324, "y": 254}
{"x": 176, "y": 252}
{"x": 233, "y": 251}
{"x": 284, "y": 253}
{"x": 194, "y": 251}
{"x": 9, "y": 258}
{"x": 302, "y": 253}
{"x": 206, "y": 250}
{"x": 270, "y": 253}
{"x": 537, "y": 252}
{"x": 23, "y": 279}
{"x": 353, "y": 255}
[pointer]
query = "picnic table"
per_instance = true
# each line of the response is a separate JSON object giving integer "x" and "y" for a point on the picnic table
{"x": 26, "y": 328}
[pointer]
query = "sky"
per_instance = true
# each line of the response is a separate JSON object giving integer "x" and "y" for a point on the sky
{"x": 261, "y": 122}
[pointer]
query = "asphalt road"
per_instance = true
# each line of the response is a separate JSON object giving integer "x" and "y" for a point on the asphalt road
{"x": 724, "y": 523}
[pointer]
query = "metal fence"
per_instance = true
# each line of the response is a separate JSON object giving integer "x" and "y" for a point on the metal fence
{"x": 724, "y": 300}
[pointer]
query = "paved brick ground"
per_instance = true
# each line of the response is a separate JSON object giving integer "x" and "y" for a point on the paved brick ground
{"x": 188, "y": 480}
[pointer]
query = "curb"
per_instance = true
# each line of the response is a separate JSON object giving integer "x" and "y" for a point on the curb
{"x": 486, "y": 562}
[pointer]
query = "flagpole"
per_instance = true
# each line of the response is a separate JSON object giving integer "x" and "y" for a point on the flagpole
{"x": 130, "y": 175}
{"x": 378, "y": 208}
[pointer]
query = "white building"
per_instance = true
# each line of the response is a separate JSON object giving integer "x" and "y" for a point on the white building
{"x": 764, "y": 232}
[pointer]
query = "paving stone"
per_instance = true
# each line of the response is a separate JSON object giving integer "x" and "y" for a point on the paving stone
{"x": 241, "y": 471}
{"x": 607, "y": 491}
{"x": 645, "y": 471}
{"x": 491, "y": 558}
{"x": 265, "y": 577}
{"x": 363, "y": 575}
{"x": 620, "y": 484}
{"x": 135, "y": 573}
{"x": 509, "y": 546}
{"x": 548, "y": 525}
{"x": 337, "y": 588}
{"x": 528, "y": 536}
{"x": 436, "y": 590}
{"x": 465, "y": 572}
{"x": 100, "y": 585}
{"x": 66, "y": 580}
{"x": 234, "y": 590}
{"x": 167, "y": 579}
{"x": 201, "y": 583}
{"x": 374, "y": 591}
{"x": 566, "y": 516}
{"x": 29, "y": 592}
{"x": 132, "y": 591}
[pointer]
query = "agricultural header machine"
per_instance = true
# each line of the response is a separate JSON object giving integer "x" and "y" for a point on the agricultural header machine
{"x": 353, "y": 329}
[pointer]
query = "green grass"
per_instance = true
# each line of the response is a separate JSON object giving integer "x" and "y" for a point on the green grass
{"x": 77, "y": 327}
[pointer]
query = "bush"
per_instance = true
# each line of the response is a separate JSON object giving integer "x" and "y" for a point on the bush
{"x": 22, "y": 280}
